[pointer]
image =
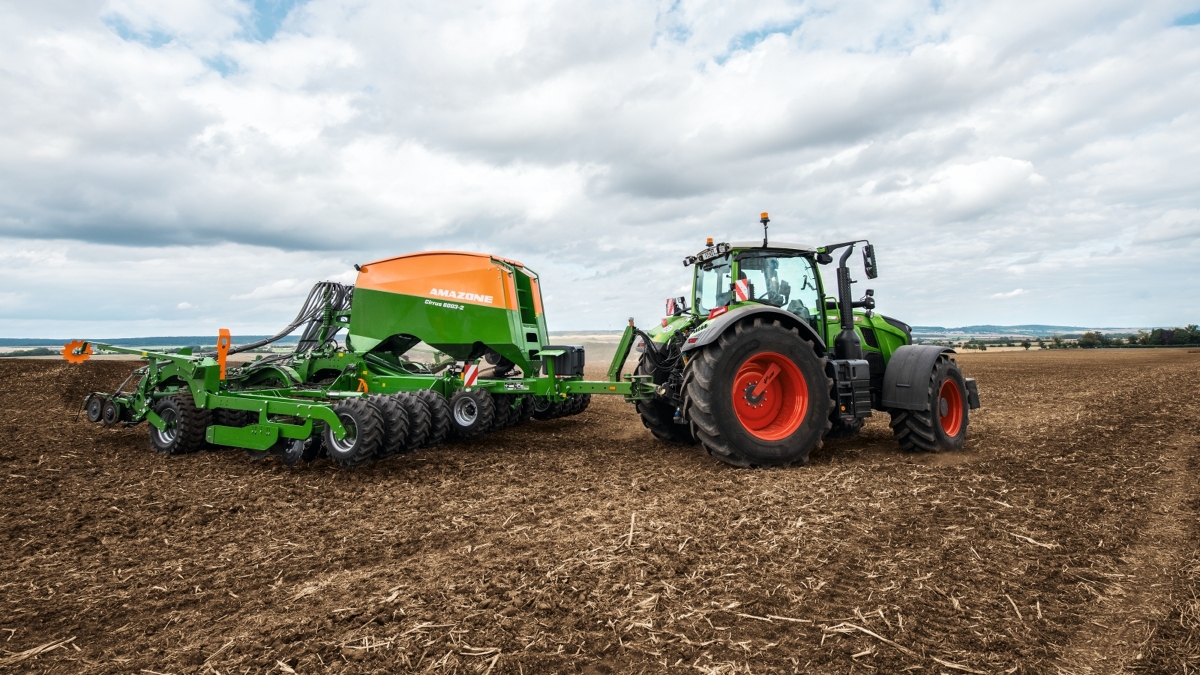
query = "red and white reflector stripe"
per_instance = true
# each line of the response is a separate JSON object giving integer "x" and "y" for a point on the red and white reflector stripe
{"x": 670, "y": 306}
{"x": 470, "y": 374}
{"x": 742, "y": 289}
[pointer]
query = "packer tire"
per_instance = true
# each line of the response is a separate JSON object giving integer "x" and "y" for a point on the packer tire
{"x": 364, "y": 433}
{"x": 713, "y": 372}
{"x": 504, "y": 415}
{"x": 439, "y": 416}
{"x": 395, "y": 424}
{"x": 472, "y": 413}
{"x": 185, "y": 422}
{"x": 419, "y": 420}
{"x": 942, "y": 426}
{"x": 579, "y": 403}
{"x": 547, "y": 410}
{"x": 658, "y": 415}
{"x": 525, "y": 413}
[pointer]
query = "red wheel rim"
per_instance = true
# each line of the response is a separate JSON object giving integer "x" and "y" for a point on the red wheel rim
{"x": 776, "y": 409}
{"x": 950, "y": 408}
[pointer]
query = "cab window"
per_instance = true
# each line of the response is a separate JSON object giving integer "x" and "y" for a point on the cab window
{"x": 713, "y": 284}
{"x": 787, "y": 282}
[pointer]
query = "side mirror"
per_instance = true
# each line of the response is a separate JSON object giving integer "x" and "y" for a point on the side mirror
{"x": 824, "y": 258}
{"x": 869, "y": 261}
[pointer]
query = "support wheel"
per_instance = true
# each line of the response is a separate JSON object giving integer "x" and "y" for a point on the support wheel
{"x": 758, "y": 396}
{"x": 657, "y": 414}
{"x": 942, "y": 426}
{"x": 364, "y": 433}
{"x": 395, "y": 424}
{"x": 94, "y": 407}
{"x": 439, "y": 416}
{"x": 472, "y": 412}
{"x": 184, "y": 428}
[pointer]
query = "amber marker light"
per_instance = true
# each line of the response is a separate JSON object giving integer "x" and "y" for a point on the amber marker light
{"x": 708, "y": 242}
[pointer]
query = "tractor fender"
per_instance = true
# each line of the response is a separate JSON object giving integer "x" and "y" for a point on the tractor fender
{"x": 907, "y": 375}
{"x": 708, "y": 334}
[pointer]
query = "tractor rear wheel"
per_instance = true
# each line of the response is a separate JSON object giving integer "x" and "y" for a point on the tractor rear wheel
{"x": 758, "y": 395}
{"x": 364, "y": 433}
{"x": 395, "y": 424}
{"x": 658, "y": 415}
{"x": 419, "y": 420}
{"x": 943, "y": 424}
{"x": 472, "y": 412}
{"x": 184, "y": 425}
{"x": 439, "y": 416}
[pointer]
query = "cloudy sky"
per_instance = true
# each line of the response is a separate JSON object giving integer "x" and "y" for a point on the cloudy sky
{"x": 174, "y": 167}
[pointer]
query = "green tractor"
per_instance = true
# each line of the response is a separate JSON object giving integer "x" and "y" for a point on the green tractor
{"x": 759, "y": 366}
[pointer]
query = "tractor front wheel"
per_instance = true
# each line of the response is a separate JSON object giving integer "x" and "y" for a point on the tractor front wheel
{"x": 658, "y": 415}
{"x": 943, "y": 423}
{"x": 758, "y": 395}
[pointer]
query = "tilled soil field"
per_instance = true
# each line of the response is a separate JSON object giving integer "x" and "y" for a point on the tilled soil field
{"x": 1063, "y": 539}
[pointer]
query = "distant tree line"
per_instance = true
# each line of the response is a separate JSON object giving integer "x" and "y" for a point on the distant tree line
{"x": 1157, "y": 337}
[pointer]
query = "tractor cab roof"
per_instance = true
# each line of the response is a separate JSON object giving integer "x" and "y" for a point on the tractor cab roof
{"x": 784, "y": 245}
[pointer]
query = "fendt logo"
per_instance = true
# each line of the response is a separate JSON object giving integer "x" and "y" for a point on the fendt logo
{"x": 460, "y": 295}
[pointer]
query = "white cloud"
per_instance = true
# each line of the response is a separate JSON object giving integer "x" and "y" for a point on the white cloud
{"x": 185, "y": 305}
{"x": 1011, "y": 294}
{"x": 168, "y": 145}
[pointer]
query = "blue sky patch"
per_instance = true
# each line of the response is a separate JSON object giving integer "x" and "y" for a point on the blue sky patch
{"x": 1187, "y": 19}
{"x": 747, "y": 41}
{"x": 223, "y": 64}
{"x": 150, "y": 38}
{"x": 268, "y": 16}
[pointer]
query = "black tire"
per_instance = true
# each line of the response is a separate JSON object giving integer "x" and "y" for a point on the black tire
{"x": 395, "y": 424}
{"x": 364, "y": 433}
{"x": 525, "y": 412}
{"x": 933, "y": 429}
{"x": 234, "y": 418}
{"x": 439, "y": 416}
{"x": 547, "y": 410}
{"x": 110, "y": 412}
{"x": 840, "y": 429}
{"x": 419, "y": 420}
{"x": 709, "y": 400}
{"x": 185, "y": 428}
{"x": 582, "y": 401}
{"x": 658, "y": 415}
{"x": 94, "y": 407}
{"x": 506, "y": 411}
{"x": 472, "y": 412}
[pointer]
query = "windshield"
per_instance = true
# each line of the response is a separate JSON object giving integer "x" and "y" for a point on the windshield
{"x": 787, "y": 282}
{"x": 713, "y": 284}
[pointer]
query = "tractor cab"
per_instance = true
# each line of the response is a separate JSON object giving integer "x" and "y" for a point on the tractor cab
{"x": 782, "y": 275}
